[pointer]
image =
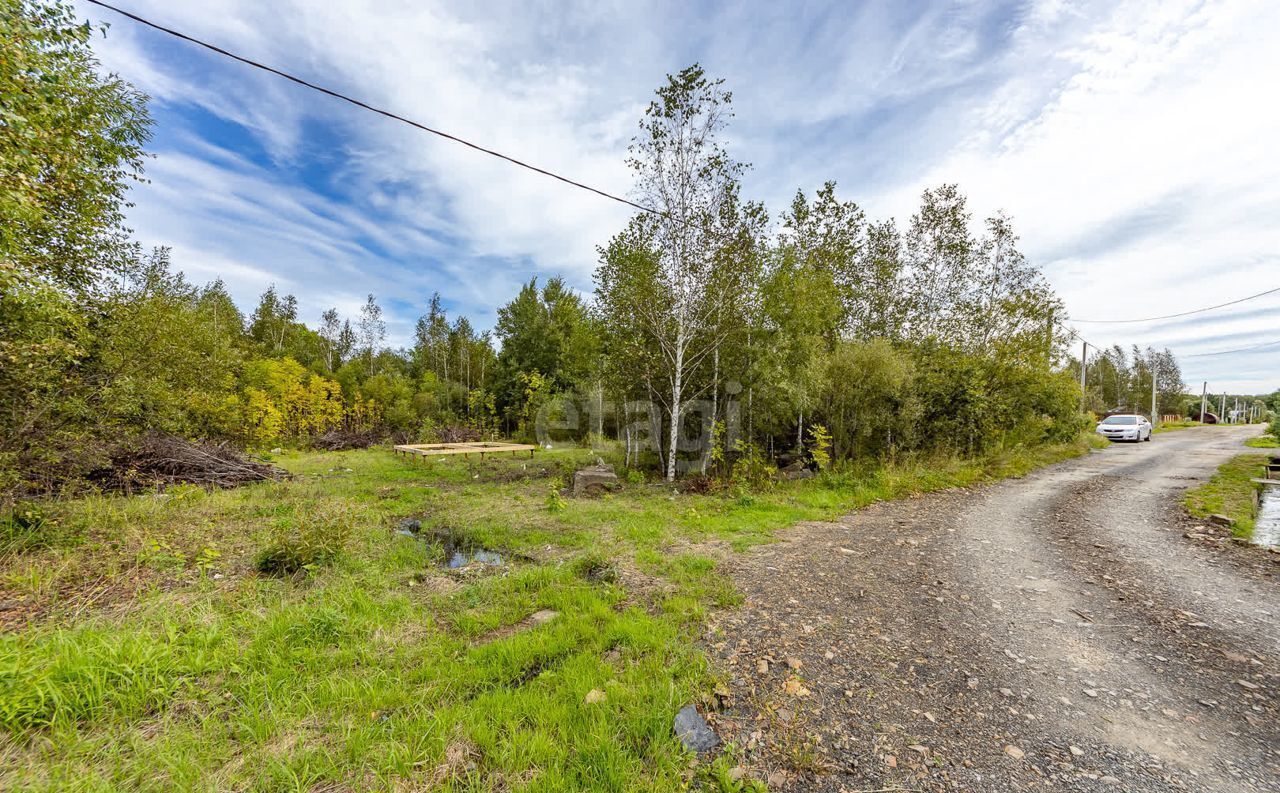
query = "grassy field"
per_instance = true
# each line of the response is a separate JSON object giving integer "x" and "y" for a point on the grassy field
{"x": 1263, "y": 442}
{"x": 1230, "y": 492}
{"x": 146, "y": 648}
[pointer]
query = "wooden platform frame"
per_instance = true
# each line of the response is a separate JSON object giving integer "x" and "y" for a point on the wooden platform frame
{"x": 481, "y": 448}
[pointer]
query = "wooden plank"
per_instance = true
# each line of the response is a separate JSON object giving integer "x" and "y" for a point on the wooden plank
{"x": 1266, "y": 481}
{"x": 465, "y": 449}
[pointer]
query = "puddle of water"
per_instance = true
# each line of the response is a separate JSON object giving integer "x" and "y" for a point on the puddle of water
{"x": 1266, "y": 529}
{"x": 461, "y": 558}
{"x": 458, "y": 551}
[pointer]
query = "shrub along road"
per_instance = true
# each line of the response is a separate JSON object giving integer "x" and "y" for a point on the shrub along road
{"x": 1058, "y": 630}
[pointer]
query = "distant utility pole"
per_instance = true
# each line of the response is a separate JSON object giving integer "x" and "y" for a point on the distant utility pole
{"x": 1222, "y": 408}
{"x": 1204, "y": 399}
{"x": 1084, "y": 357}
{"x": 1153, "y": 396}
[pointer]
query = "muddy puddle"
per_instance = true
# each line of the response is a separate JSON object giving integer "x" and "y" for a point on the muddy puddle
{"x": 457, "y": 550}
{"x": 1266, "y": 529}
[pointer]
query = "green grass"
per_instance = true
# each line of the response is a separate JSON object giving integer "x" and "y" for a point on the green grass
{"x": 1230, "y": 492}
{"x": 1181, "y": 424}
{"x": 1263, "y": 442}
{"x": 160, "y": 651}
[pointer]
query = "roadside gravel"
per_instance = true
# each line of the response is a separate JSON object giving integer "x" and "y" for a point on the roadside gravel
{"x": 1055, "y": 631}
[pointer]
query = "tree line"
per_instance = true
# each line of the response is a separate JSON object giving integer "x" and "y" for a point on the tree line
{"x": 716, "y": 337}
{"x": 1119, "y": 380}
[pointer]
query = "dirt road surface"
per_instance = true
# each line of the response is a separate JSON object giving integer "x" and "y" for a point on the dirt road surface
{"x": 1053, "y": 632}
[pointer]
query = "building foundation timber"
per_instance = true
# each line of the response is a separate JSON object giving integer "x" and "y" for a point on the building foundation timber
{"x": 425, "y": 450}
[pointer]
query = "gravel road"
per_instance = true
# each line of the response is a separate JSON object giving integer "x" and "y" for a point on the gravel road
{"x": 1058, "y": 631}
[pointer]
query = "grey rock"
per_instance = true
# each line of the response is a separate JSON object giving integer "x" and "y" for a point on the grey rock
{"x": 694, "y": 732}
{"x": 409, "y": 526}
{"x": 594, "y": 481}
{"x": 795, "y": 470}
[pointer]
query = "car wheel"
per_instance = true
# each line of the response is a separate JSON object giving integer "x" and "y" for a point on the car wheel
{"x": 1148, "y": 437}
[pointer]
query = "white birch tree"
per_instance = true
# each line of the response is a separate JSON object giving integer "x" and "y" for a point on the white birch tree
{"x": 682, "y": 296}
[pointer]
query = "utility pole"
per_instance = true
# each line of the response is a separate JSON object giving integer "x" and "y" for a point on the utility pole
{"x": 1084, "y": 357}
{"x": 1222, "y": 408}
{"x": 1153, "y": 396}
{"x": 1204, "y": 398}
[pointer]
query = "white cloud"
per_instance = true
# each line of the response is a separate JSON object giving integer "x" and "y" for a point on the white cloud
{"x": 1148, "y": 183}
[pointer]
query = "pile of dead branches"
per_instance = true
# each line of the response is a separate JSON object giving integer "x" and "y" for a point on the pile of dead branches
{"x": 341, "y": 440}
{"x": 156, "y": 460}
{"x": 457, "y": 433}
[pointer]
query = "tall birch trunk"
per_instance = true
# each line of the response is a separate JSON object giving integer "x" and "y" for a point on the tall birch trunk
{"x": 677, "y": 393}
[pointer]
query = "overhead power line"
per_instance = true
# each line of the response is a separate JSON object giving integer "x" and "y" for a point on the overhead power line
{"x": 365, "y": 106}
{"x": 1167, "y": 316}
{"x": 1229, "y": 352}
{"x": 1073, "y": 332}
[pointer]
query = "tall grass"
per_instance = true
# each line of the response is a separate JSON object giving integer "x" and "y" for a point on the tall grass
{"x": 377, "y": 668}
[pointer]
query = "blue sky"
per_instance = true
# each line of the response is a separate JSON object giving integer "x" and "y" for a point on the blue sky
{"x": 1132, "y": 142}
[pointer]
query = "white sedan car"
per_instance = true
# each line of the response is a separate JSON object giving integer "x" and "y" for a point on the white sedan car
{"x": 1127, "y": 427}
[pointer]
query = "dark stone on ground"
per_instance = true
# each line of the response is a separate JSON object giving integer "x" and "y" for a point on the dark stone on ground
{"x": 694, "y": 732}
{"x": 796, "y": 470}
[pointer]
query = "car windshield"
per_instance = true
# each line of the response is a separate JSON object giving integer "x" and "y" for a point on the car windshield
{"x": 1121, "y": 420}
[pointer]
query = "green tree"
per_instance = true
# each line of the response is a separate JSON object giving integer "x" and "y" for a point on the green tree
{"x": 331, "y": 332}
{"x": 548, "y": 331}
{"x": 431, "y": 340}
{"x": 939, "y": 250}
{"x": 866, "y": 397}
{"x": 373, "y": 331}
{"x": 273, "y": 319}
{"x": 670, "y": 270}
{"x": 161, "y": 357}
{"x": 71, "y": 140}
{"x": 877, "y": 308}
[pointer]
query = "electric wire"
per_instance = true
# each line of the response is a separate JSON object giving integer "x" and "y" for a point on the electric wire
{"x": 1170, "y": 316}
{"x": 1232, "y": 352}
{"x": 371, "y": 108}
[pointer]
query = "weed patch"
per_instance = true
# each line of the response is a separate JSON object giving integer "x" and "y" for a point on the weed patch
{"x": 1230, "y": 492}
{"x": 305, "y": 543}
{"x": 26, "y": 527}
